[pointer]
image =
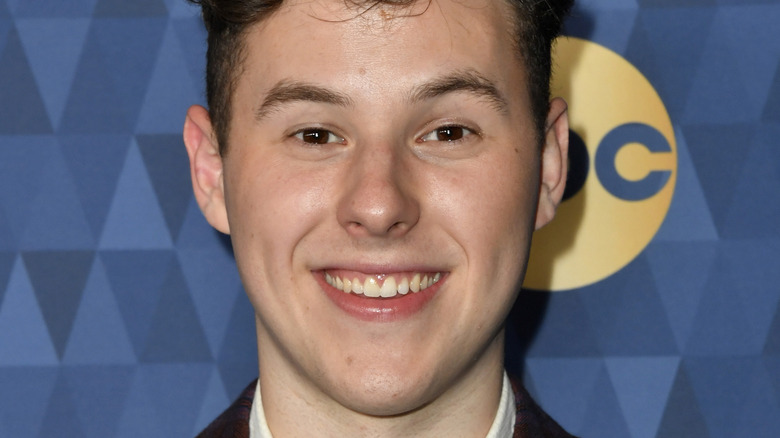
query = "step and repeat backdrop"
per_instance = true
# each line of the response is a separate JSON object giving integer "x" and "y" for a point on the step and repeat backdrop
{"x": 650, "y": 308}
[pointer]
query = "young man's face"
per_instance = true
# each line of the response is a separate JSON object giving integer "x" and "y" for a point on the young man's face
{"x": 390, "y": 149}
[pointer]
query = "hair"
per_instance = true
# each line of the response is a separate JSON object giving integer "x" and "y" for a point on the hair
{"x": 537, "y": 22}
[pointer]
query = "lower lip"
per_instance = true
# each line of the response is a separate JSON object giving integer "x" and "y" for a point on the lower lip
{"x": 379, "y": 309}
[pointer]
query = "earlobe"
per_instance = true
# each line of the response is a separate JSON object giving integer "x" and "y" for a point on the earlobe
{"x": 555, "y": 162}
{"x": 205, "y": 167}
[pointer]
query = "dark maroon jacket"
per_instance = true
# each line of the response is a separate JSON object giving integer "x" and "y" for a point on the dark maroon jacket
{"x": 531, "y": 421}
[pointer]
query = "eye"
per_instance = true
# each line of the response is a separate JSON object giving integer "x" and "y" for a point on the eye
{"x": 447, "y": 133}
{"x": 318, "y": 136}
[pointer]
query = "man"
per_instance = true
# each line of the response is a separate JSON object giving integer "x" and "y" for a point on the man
{"x": 380, "y": 167}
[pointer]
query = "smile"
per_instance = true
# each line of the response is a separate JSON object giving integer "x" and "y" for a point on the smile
{"x": 384, "y": 286}
{"x": 381, "y": 297}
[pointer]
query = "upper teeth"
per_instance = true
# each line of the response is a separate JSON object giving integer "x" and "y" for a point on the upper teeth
{"x": 390, "y": 287}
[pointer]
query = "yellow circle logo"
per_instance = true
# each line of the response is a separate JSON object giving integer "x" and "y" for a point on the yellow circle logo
{"x": 622, "y": 173}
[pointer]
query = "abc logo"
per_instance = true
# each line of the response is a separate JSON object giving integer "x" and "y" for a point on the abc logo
{"x": 622, "y": 173}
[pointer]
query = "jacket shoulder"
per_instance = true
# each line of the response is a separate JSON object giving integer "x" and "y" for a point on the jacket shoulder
{"x": 234, "y": 421}
{"x": 531, "y": 421}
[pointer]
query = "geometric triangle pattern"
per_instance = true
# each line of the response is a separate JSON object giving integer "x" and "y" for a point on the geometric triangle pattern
{"x": 59, "y": 279}
{"x": 56, "y": 219}
{"x": 159, "y": 392}
{"x": 31, "y": 118}
{"x": 689, "y": 216}
{"x": 175, "y": 319}
{"x": 135, "y": 219}
{"x": 90, "y": 158}
{"x": 60, "y": 417}
{"x": 603, "y": 412}
{"x": 53, "y": 48}
{"x": 98, "y": 394}
{"x": 682, "y": 417}
{"x": 642, "y": 401}
{"x": 25, "y": 398}
{"x": 24, "y": 338}
{"x": 168, "y": 167}
{"x": 232, "y": 366}
{"x": 214, "y": 401}
{"x": 122, "y": 314}
{"x": 98, "y": 335}
{"x": 213, "y": 310}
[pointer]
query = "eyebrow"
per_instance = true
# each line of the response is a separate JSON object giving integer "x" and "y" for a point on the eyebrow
{"x": 469, "y": 81}
{"x": 286, "y": 91}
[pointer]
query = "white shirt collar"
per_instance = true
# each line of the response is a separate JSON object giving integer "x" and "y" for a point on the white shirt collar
{"x": 258, "y": 427}
{"x": 502, "y": 427}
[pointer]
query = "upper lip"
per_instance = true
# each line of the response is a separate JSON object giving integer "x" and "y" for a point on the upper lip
{"x": 382, "y": 269}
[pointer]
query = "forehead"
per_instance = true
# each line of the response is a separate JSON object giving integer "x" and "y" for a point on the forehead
{"x": 382, "y": 45}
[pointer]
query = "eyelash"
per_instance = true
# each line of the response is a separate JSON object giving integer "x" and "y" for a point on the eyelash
{"x": 322, "y": 136}
{"x": 460, "y": 131}
{"x": 314, "y": 133}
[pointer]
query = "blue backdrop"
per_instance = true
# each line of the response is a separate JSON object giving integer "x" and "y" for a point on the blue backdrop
{"x": 121, "y": 313}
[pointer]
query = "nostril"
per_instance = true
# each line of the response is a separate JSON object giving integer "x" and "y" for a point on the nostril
{"x": 397, "y": 225}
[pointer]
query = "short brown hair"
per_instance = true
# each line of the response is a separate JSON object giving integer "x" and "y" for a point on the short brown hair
{"x": 538, "y": 23}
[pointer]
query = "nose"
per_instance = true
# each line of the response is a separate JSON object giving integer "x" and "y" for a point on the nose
{"x": 379, "y": 196}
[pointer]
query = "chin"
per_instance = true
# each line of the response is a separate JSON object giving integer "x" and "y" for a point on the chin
{"x": 384, "y": 394}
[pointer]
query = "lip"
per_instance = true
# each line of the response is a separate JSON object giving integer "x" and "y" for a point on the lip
{"x": 371, "y": 309}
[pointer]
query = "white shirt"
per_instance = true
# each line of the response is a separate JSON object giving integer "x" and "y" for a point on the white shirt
{"x": 502, "y": 427}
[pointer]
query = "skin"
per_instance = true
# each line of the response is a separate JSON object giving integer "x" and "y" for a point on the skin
{"x": 388, "y": 194}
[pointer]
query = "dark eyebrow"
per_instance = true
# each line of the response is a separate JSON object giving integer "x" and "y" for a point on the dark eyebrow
{"x": 469, "y": 81}
{"x": 286, "y": 91}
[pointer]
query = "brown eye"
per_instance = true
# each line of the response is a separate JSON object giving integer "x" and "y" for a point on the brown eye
{"x": 318, "y": 136}
{"x": 447, "y": 134}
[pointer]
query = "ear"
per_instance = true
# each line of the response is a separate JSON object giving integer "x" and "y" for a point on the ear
{"x": 206, "y": 167}
{"x": 555, "y": 162}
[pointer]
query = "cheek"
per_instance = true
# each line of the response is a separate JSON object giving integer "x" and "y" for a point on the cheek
{"x": 490, "y": 206}
{"x": 271, "y": 207}
{"x": 490, "y": 215}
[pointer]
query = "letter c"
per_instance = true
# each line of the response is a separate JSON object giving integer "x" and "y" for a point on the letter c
{"x": 608, "y": 175}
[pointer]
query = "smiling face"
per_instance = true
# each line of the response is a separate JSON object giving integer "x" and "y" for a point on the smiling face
{"x": 381, "y": 187}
